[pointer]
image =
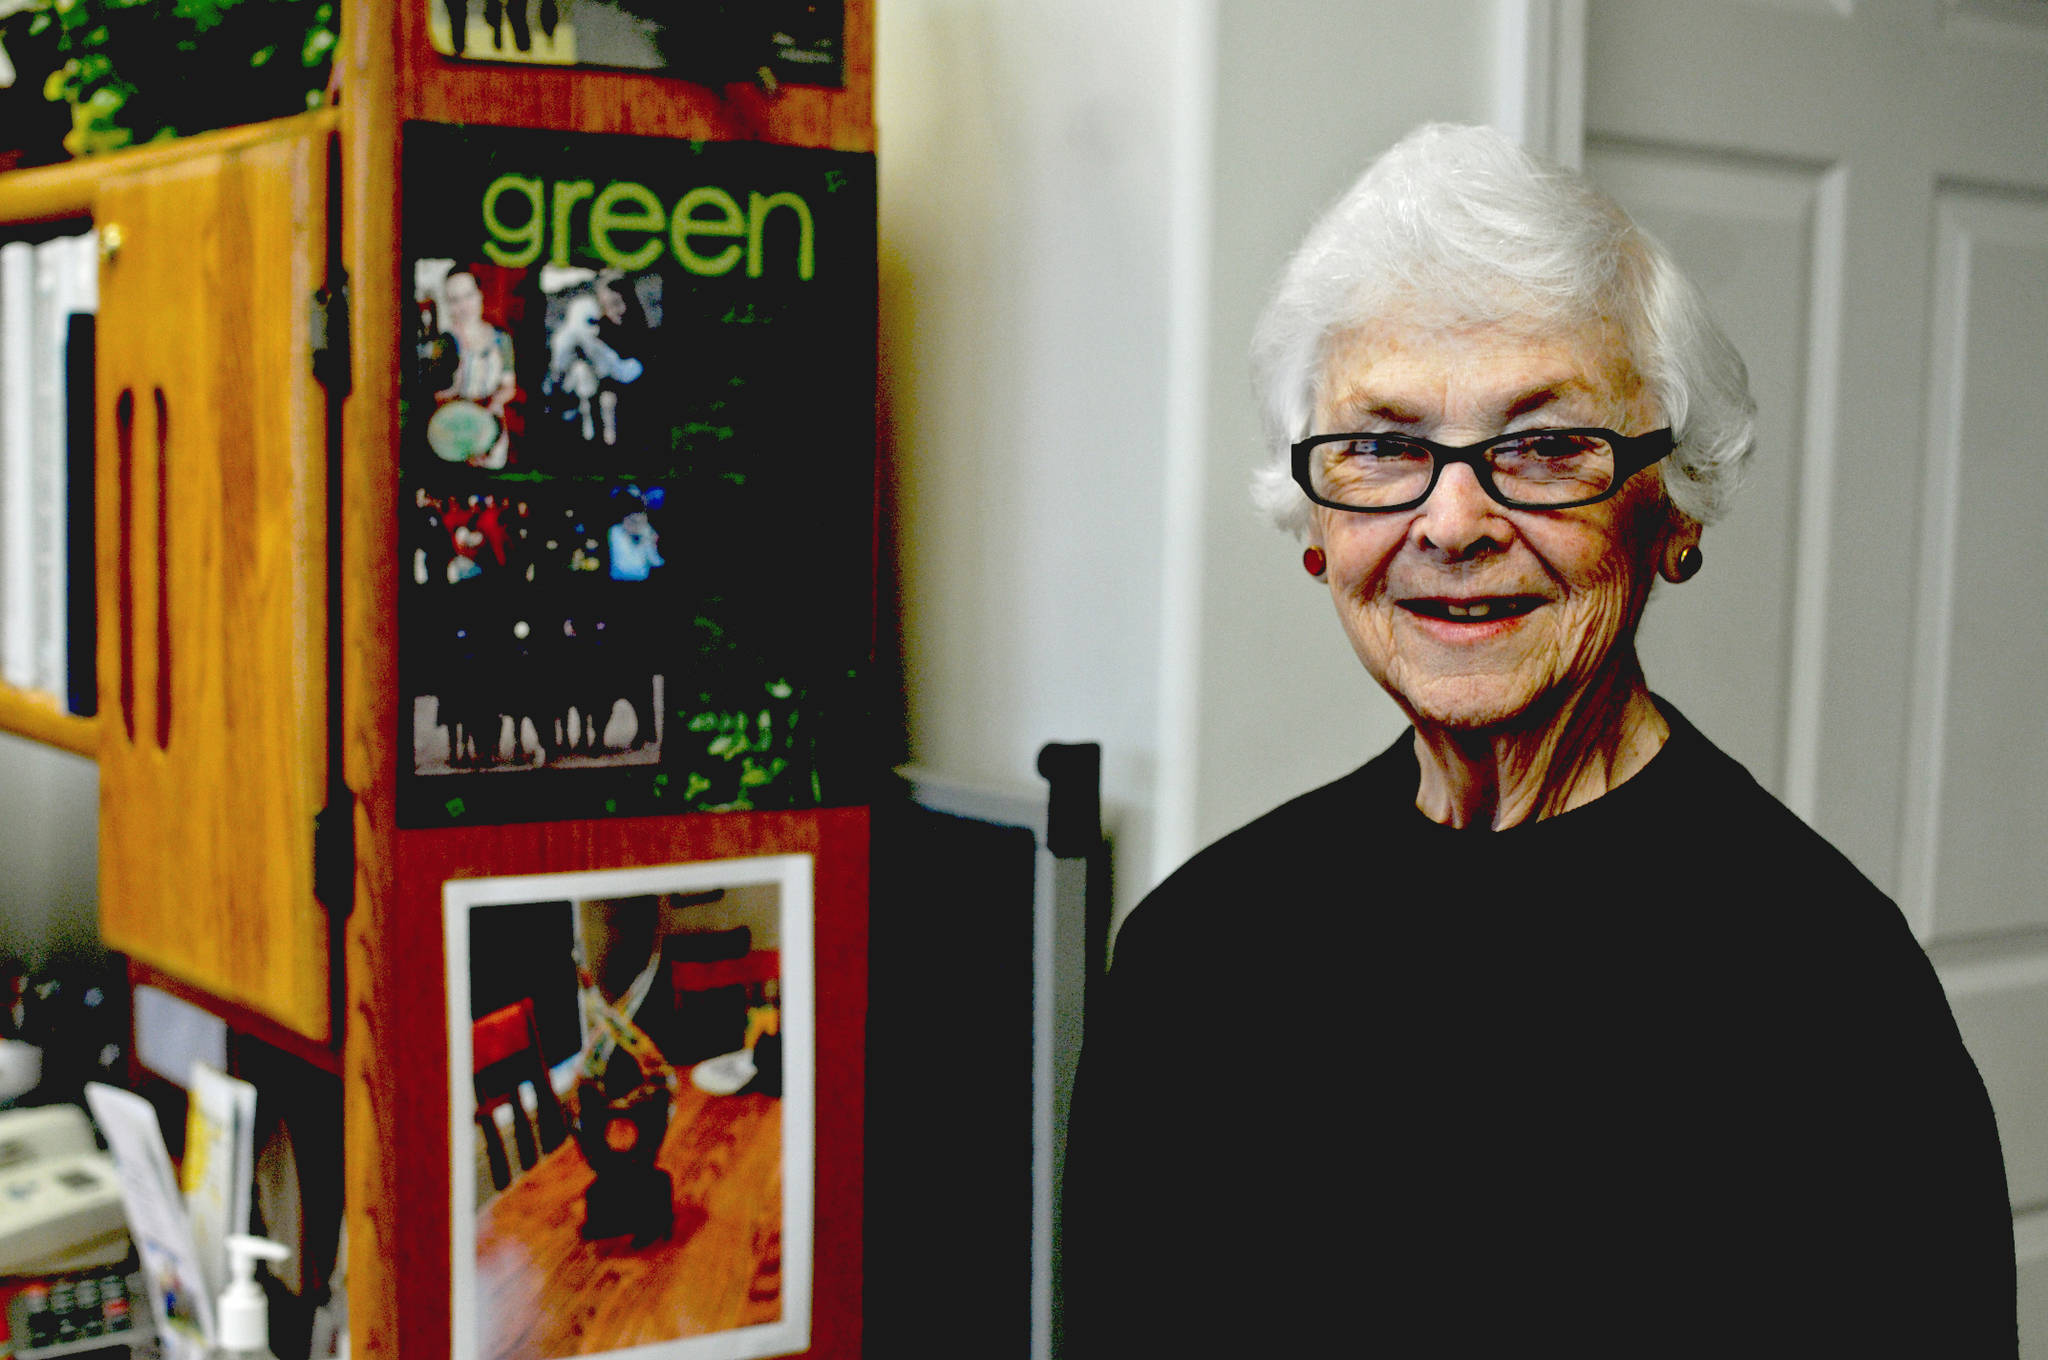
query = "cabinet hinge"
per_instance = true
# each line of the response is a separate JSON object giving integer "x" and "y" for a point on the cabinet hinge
{"x": 328, "y": 324}
{"x": 334, "y": 852}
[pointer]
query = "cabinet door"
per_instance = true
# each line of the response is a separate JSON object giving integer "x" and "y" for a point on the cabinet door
{"x": 212, "y": 552}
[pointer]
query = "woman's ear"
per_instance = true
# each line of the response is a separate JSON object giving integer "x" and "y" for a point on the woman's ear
{"x": 1680, "y": 555}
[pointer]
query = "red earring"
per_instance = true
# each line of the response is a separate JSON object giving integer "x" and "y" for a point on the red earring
{"x": 1313, "y": 562}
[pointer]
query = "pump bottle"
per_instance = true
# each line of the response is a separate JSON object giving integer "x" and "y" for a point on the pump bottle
{"x": 244, "y": 1315}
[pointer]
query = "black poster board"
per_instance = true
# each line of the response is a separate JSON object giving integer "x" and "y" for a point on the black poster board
{"x": 636, "y": 476}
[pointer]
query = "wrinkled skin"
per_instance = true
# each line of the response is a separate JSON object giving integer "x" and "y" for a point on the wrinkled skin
{"x": 1528, "y": 700}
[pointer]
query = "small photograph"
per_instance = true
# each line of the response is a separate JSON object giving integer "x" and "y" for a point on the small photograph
{"x": 464, "y": 366}
{"x": 601, "y": 332}
{"x": 631, "y": 1059}
{"x": 537, "y": 641}
{"x": 588, "y": 397}
{"x": 768, "y": 41}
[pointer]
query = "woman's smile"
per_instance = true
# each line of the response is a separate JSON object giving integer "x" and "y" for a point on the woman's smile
{"x": 1468, "y": 621}
{"x": 1471, "y": 608}
{"x": 1496, "y": 607}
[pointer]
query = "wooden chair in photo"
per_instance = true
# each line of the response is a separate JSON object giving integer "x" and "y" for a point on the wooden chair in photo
{"x": 711, "y": 1002}
{"x": 505, "y": 1053}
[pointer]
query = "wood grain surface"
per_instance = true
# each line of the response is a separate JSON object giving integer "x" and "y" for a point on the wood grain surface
{"x": 211, "y": 547}
{"x": 40, "y": 717}
{"x": 71, "y": 190}
{"x": 542, "y": 1291}
{"x": 395, "y": 1057}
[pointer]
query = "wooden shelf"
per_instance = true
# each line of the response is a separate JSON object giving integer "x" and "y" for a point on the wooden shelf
{"x": 45, "y": 193}
{"x": 41, "y": 718}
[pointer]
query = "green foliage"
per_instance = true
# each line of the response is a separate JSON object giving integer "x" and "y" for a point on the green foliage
{"x": 143, "y": 70}
{"x": 742, "y": 757}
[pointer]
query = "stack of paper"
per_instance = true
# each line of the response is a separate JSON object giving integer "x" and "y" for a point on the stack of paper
{"x": 157, "y": 1220}
{"x": 220, "y": 1166}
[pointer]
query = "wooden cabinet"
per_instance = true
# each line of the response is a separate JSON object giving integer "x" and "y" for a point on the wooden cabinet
{"x": 212, "y": 551}
{"x": 247, "y": 566}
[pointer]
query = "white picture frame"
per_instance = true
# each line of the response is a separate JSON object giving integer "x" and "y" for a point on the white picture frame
{"x": 788, "y": 881}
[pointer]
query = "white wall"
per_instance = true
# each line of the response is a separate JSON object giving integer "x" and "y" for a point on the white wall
{"x": 1025, "y": 235}
{"x": 1081, "y": 207}
{"x": 49, "y": 850}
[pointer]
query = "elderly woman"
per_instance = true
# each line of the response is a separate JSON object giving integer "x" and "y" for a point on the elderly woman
{"x": 1547, "y": 1024}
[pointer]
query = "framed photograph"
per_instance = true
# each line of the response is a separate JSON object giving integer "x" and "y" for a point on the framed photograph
{"x": 636, "y": 568}
{"x": 797, "y": 42}
{"x": 632, "y": 1111}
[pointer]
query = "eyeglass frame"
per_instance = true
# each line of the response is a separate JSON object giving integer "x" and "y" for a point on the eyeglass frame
{"x": 1632, "y": 453}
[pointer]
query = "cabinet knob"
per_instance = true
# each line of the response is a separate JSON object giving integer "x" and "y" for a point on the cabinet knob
{"x": 111, "y": 239}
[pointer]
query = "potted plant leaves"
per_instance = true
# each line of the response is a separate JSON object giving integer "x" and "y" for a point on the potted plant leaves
{"x": 132, "y": 71}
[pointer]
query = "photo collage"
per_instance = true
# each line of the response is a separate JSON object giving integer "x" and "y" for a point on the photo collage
{"x": 636, "y": 518}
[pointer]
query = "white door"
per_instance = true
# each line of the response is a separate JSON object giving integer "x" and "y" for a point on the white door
{"x": 1861, "y": 186}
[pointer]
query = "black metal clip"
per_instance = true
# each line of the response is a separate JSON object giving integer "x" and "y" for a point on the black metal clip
{"x": 329, "y": 338}
{"x": 334, "y": 851}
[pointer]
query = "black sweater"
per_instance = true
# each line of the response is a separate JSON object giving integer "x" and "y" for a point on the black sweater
{"x": 1664, "y": 1074}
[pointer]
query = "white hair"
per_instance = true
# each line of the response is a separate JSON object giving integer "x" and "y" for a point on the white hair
{"x": 1459, "y": 225}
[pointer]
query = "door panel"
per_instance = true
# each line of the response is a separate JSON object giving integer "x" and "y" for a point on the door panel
{"x": 1986, "y": 852}
{"x": 212, "y": 547}
{"x": 1751, "y": 232}
{"x": 1862, "y": 187}
{"x": 2030, "y": 1244}
{"x": 2001, "y": 1005}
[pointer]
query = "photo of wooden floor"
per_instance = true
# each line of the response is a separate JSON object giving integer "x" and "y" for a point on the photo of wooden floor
{"x": 633, "y": 1166}
{"x": 543, "y": 1291}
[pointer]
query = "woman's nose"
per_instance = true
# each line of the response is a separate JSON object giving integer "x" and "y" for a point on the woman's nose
{"x": 1459, "y": 517}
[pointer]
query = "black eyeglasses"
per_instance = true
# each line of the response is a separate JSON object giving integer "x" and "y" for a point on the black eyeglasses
{"x": 1526, "y": 470}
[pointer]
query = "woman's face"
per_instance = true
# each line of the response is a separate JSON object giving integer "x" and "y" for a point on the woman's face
{"x": 465, "y": 300}
{"x": 1471, "y": 615}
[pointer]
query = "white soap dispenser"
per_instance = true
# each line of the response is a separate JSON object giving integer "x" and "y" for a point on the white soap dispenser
{"x": 244, "y": 1316}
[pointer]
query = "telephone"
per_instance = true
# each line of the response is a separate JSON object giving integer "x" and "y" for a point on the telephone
{"x": 60, "y": 1204}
